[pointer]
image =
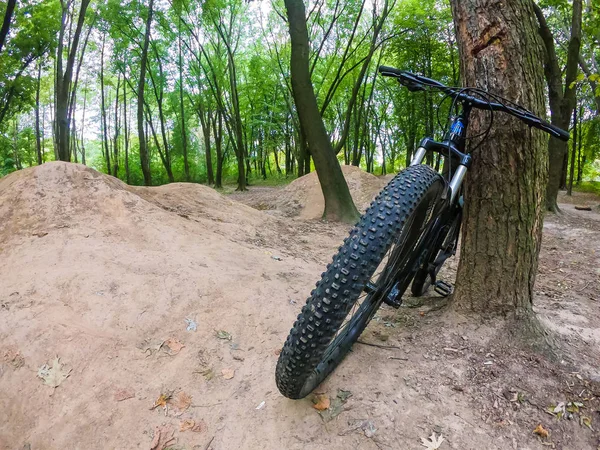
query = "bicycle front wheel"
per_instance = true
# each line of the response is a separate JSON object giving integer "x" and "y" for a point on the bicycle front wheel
{"x": 379, "y": 258}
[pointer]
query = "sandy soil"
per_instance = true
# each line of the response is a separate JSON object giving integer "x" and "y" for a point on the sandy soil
{"x": 104, "y": 276}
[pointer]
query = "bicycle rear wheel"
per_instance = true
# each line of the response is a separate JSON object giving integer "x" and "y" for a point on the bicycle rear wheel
{"x": 378, "y": 259}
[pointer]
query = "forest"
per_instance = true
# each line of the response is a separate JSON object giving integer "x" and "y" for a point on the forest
{"x": 154, "y": 92}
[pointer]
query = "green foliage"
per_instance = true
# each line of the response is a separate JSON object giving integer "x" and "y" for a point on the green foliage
{"x": 385, "y": 125}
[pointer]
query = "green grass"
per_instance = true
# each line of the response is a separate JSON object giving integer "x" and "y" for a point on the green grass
{"x": 592, "y": 187}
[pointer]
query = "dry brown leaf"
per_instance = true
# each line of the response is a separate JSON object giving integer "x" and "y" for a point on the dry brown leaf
{"x": 162, "y": 400}
{"x": 182, "y": 401}
{"x": 191, "y": 425}
{"x": 174, "y": 345}
{"x": 124, "y": 394}
{"x": 187, "y": 424}
{"x": 541, "y": 431}
{"x": 163, "y": 437}
{"x": 321, "y": 402}
{"x": 228, "y": 373}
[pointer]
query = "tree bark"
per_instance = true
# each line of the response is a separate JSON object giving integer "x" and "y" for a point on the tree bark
{"x": 144, "y": 156}
{"x": 338, "y": 201}
{"x": 500, "y": 52}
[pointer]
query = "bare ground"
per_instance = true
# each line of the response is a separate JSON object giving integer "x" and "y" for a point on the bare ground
{"x": 104, "y": 275}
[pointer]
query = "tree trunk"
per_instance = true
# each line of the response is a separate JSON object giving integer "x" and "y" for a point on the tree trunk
{"x": 561, "y": 97}
{"x": 83, "y": 123}
{"x": 125, "y": 130}
{"x": 573, "y": 154}
{"x": 10, "y": 8}
{"x": 144, "y": 156}
{"x": 503, "y": 216}
{"x": 64, "y": 82}
{"x": 217, "y": 123}
{"x": 186, "y": 165}
{"x": 338, "y": 201}
{"x": 116, "y": 137}
{"x": 38, "y": 138}
{"x": 103, "y": 112}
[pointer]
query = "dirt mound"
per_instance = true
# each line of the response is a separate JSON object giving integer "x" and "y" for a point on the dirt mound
{"x": 100, "y": 274}
{"x": 303, "y": 197}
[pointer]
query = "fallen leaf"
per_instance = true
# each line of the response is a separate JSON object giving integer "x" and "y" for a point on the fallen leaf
{"x": 149, "y": 346}
{"x": 14, "y": 358}
{"x": 433, "y": 443}
{"x": 208, "y": 374}
{"x": 174, "y": 345}
{"x": 222, "y": 334}
{"x": 55, "y": 375}
{"x": 181, "y": 401}
{"x": 541, "y": 431}
{"x": 336, "y": 406}
{"x": 187, "y": 424}
{"x": 228, "y": 373}
{"x": 162, "y": 400}
{"x": 124, "y": 394}
{"x": 163, "y": 437}
{"x": 587, "y": 421}
{"x": 321, "y": 402}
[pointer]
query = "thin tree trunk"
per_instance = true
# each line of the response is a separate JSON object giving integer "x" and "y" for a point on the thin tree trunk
{"x": 144, "y": 156}
{"x": 83, "y": 123}
{"x": 116, "y": 137}
{"x": 38, "y": 140}
{"x": 64, "y": 82}
{"x": 103, "y": 111}
{"x": 126, "y": 131}
{"x": 186, "y": 165}
{"x": 573, "y": 153}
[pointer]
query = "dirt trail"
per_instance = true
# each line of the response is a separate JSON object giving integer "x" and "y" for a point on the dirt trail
{"x": 100, "y": 274}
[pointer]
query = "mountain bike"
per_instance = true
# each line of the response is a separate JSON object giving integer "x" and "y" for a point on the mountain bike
{"x": 405, "y": 236}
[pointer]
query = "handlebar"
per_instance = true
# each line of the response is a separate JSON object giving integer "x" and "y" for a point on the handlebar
{"x": 415, "y": 82}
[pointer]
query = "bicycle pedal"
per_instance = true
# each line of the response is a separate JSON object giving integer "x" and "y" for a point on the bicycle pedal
{"x": 442, "y": 288}
{"x": 393, "y": 299}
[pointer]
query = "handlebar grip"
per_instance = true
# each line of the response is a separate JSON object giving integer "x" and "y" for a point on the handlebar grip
{"x": 389, "y": 71}
{"x": 555, "y": 131}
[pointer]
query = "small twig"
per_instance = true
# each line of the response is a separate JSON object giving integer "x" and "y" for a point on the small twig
{"x": 396, "y": 357}
{"x": 583, "y": 288}
{"x": 209, "y": 442}
{"x": 389, "y": 347}
{"x": 206, "y": 406}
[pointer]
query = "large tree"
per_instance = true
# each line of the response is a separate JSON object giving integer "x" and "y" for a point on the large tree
{"x": 500, "y": 51}
{"x": 338, "y": 201}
